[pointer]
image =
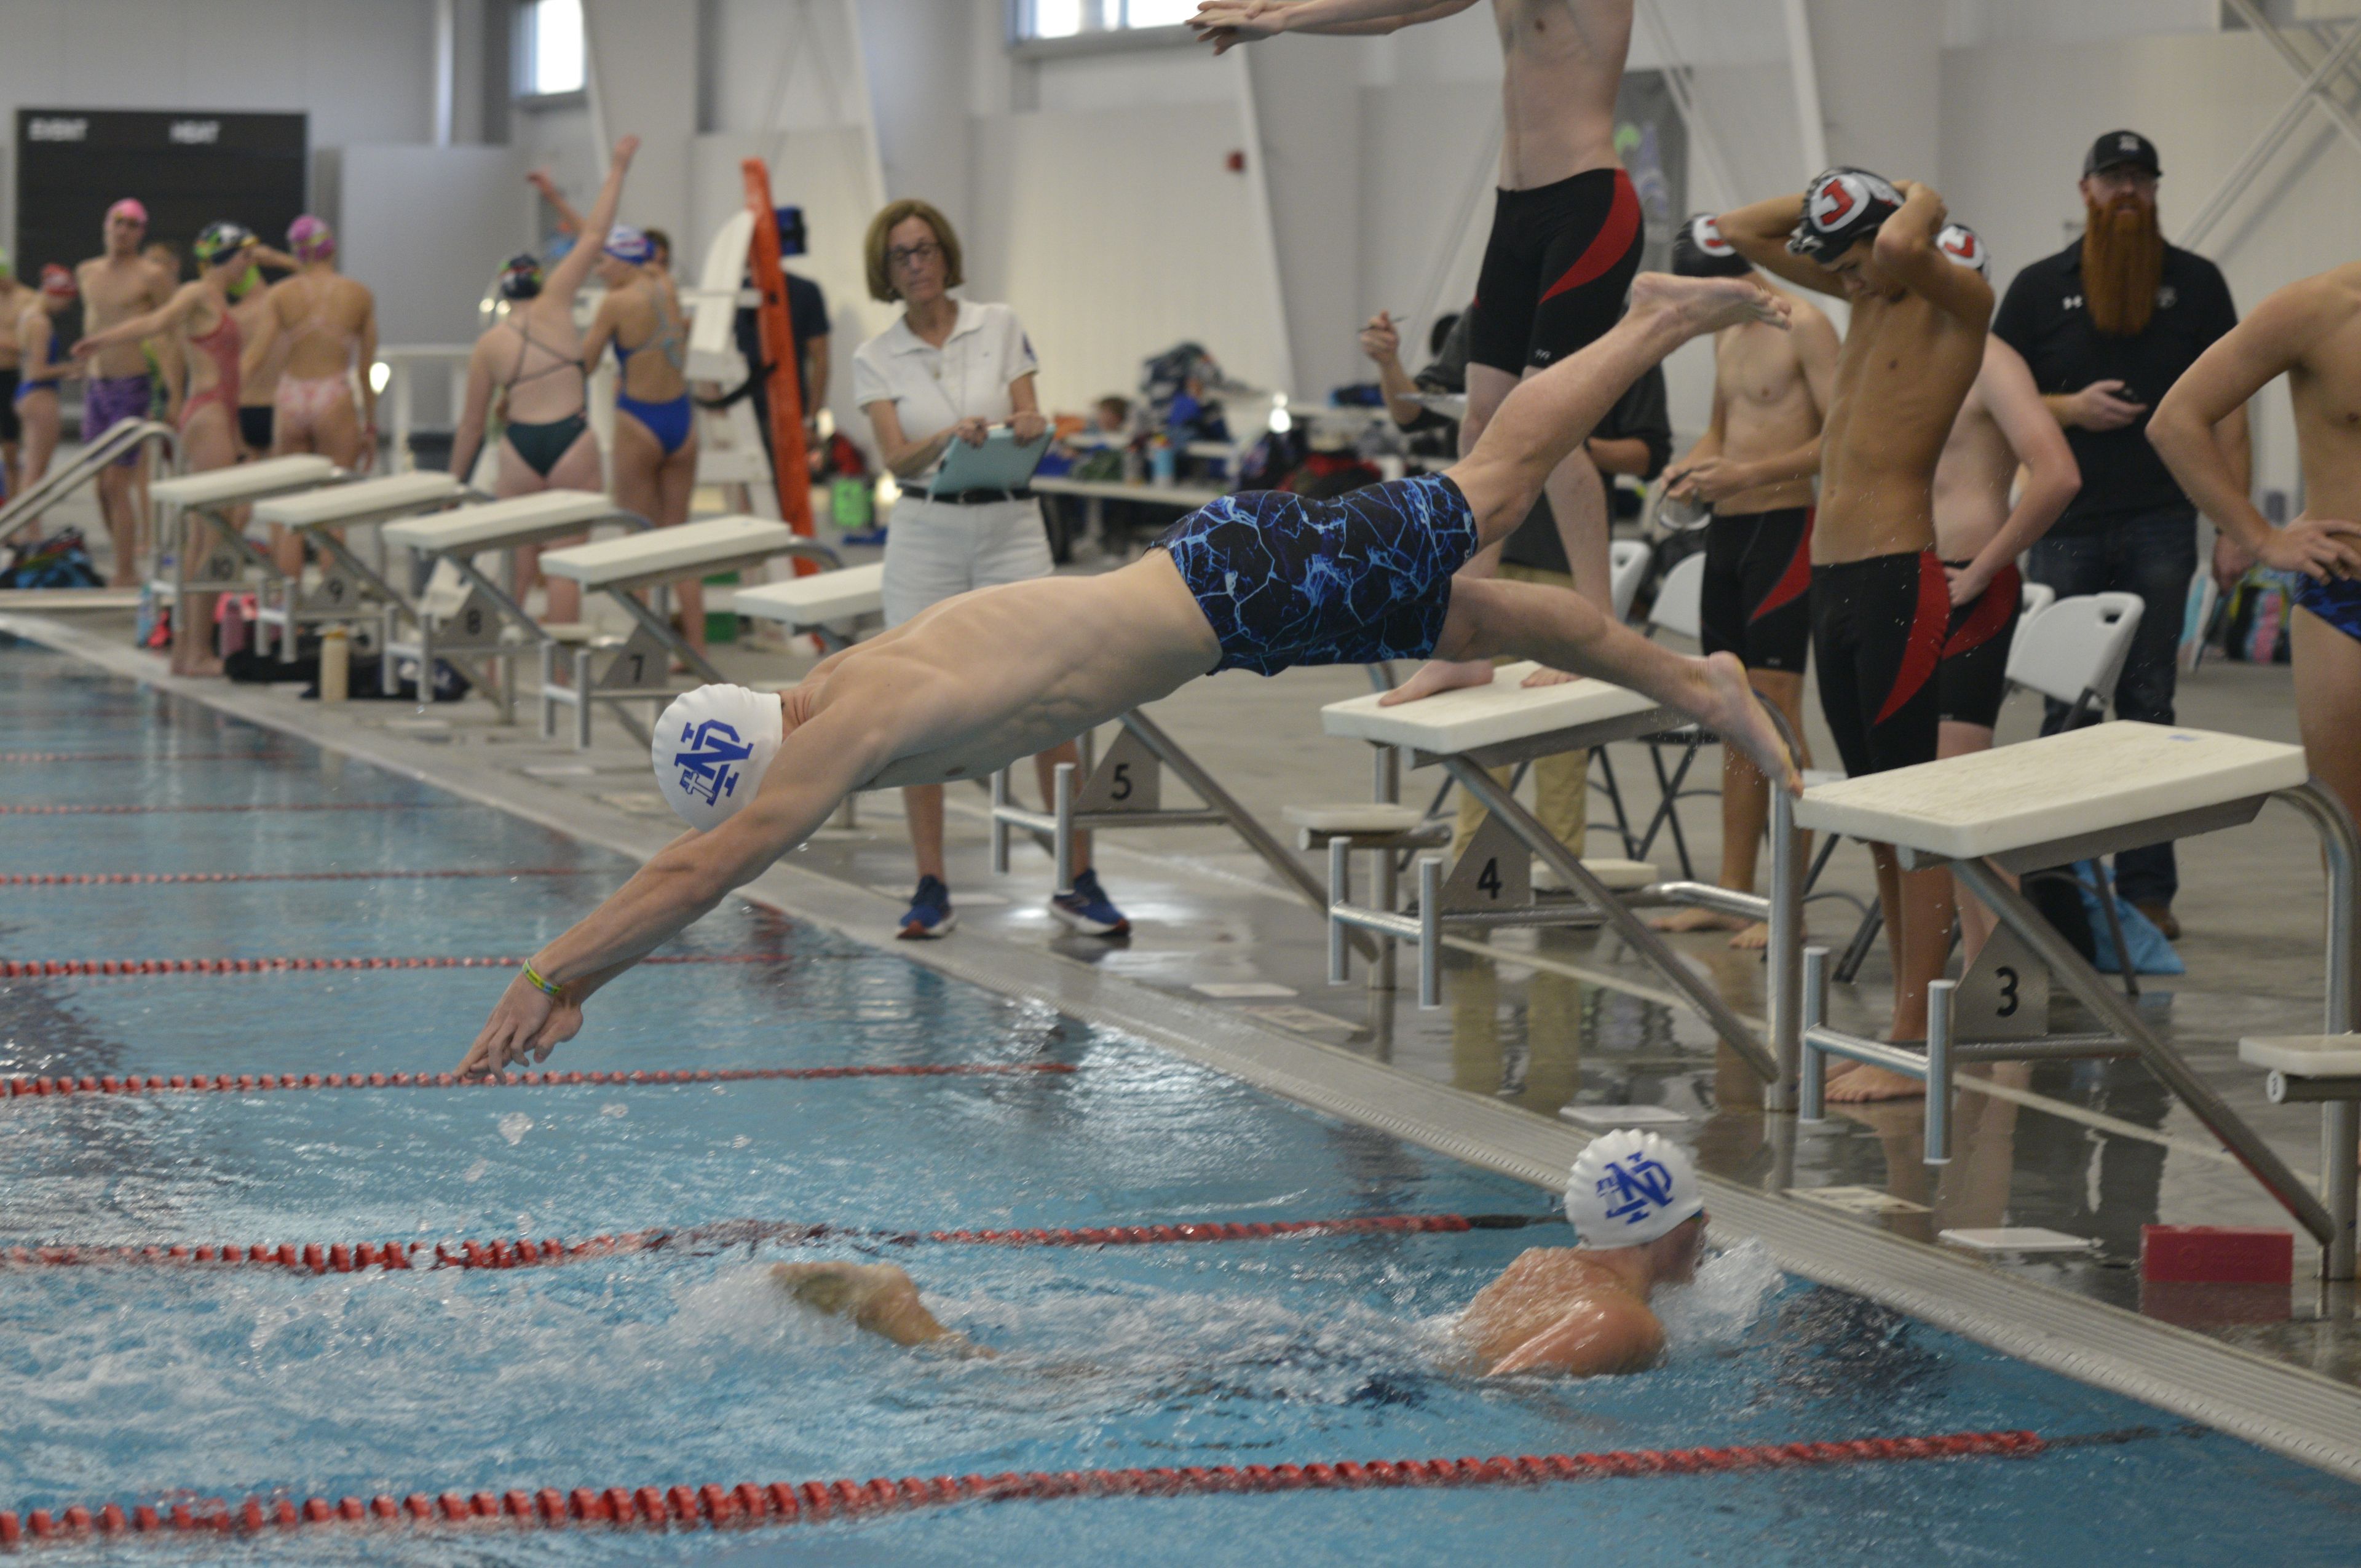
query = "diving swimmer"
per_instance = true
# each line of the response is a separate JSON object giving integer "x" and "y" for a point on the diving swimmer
{"x": 1260, "y": 581}
{"x": 1581, "y": 1312}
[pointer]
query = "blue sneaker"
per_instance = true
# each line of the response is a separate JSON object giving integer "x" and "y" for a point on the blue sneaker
{"x": 1087, "y": 910}
{"x": 929, "y": 913}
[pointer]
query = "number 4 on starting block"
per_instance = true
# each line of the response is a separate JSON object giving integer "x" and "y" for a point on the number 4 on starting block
{"x": 1495, "y": 872}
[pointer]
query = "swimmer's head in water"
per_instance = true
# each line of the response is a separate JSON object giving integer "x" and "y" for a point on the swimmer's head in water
{"x": 1842, "y": 208}
{"x": 222, "y": 242}
{"x": 521, "y": 278}
{"x": 311, "y": 238}
{"x": 712, "y": 748}
{"x": 57, "y": 283}
{"x": 1699, "y": 251}
{"x": 628, "y": 245}
{"x": 1631, "y": 1188}
{"x": 1966, "y": 246}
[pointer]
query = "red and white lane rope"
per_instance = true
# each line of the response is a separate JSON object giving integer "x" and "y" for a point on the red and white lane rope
{"x": 34, "y": 968}
{"x": 158, "y": 879}
{"x": 22, "y": 1087}
{"x": 783, "y": 1502}
{"x": 14, "y": 810}
{"x": 341, "y": 1257}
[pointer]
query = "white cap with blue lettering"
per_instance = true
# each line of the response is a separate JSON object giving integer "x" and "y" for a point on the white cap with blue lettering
{"x": 1628, "y": 1188}
{"x": 712, "y": 748}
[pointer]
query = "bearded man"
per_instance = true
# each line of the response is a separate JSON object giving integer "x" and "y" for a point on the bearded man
{"x": 2108, "y": 325}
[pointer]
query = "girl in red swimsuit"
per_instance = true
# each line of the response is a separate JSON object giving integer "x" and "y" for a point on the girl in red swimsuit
{"x": 199, "y": 314}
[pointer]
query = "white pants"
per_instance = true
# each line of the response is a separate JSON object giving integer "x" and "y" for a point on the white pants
{"x": 934, "y": 550}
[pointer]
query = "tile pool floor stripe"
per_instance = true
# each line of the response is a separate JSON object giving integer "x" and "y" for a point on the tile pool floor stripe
{"x": 526, "y": 1252}
{"x": 22, "y": 1087}
{"x": 159, "y": 879}
{"x": 34, "y": 969}
{"x": 783, "y": 1502}
{"x": 139, "y": 810}
{"x": 2285, "y": 1408}
{"x": 28, "y": 757}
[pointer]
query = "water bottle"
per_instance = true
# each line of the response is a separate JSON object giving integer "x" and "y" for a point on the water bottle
{"x": 1162, "y": 463}
{"x": 335, "y": 664}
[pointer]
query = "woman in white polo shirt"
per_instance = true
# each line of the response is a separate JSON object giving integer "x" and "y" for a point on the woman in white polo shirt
{"x": 948, "y": 370}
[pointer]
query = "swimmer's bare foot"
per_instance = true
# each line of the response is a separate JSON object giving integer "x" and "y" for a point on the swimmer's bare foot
{"x": 1439, "y": 676}
{"x": 1696, "y": 920}
{"x": 1730, "y": 709}
{"x": 1753, "y": 938}
{"x": 878, "y": 1297}
{"x": 1864, "y": 1082}
{"x": 1707, "y": 304}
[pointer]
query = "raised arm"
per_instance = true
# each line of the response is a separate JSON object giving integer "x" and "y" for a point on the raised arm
{"x": 154, "y": 324}
{"x": 1760, "y": 233}
{"x": 1905, "y": 248}
{"x": 2186, "y": 428}
{"x": 2051, "y": 475}
{"x": 1225, "y": 23}
{"x": 817, "y": 766}
{"x": 565, "y": 278}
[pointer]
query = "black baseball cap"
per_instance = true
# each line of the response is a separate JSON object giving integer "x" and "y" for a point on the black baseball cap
{"x": 2122, "y": 147}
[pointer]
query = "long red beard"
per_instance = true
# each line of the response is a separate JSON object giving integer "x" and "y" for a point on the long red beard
{"x": 2123, "y": 262}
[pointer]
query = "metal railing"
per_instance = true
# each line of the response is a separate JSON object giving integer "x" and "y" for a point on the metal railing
{"x": 27, "y": 508}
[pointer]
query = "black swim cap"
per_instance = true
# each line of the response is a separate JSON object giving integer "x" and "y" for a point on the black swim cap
{"x": 1842, "y": 208}
{"x": 1699, "y": 251}
{"x": 521, "y": 278}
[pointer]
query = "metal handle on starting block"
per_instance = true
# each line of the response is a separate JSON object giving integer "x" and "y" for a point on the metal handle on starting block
{"x": 1340, "y": 891}
{"x": 1429, "y": 931}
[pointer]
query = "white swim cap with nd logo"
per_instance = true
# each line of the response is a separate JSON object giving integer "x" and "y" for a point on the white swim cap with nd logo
{"x": 711, "y": 749}
{"x": 1629, "y": 1188}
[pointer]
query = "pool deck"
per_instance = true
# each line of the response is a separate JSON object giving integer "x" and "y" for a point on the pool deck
{"x": 2094, "y": 1149}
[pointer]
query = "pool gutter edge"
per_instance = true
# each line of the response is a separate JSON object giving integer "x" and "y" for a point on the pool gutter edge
{"x": 2301, "y": 1414}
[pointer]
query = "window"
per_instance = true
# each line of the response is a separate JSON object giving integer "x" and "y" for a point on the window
{"x": 1071, "y": 18}
{"x": 550, "y": 54}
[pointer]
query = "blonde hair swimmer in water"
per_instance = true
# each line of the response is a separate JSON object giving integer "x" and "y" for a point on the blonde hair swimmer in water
{"x": 1577, "y": 1311}
{"x": 1259, "y": 581}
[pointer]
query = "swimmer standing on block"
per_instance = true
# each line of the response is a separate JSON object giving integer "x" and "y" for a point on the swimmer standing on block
{"x": 1639, "y": 1222}
{"x": 1256, "y": 581}
{"x": 1881, "y": 601}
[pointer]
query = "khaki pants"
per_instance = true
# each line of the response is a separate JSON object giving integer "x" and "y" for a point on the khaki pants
{"x": 1561, "y": 783}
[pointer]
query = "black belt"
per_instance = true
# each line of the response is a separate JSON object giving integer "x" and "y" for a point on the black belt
{"x": 978, "y": 498}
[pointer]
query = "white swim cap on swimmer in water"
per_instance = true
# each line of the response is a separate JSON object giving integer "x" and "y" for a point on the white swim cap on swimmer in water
{"x": 711, "y": 749}
{"x": 1964, "y": 246}
{"x": 1629, "y": 1188}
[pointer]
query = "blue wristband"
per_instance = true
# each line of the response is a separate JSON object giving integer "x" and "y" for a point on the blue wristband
{"x": 534, "y": 977}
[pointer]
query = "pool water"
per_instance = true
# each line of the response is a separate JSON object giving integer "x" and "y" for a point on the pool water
{"x": 686, "y": 1364}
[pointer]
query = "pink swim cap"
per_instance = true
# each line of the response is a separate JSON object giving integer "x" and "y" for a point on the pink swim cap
{"x": 130, "y": 207}
{"x": 311, "y": 238}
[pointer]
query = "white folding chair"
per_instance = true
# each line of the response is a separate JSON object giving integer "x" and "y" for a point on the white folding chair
{"x": 2073, "y": 652}
{"x": 1680, "y": 610}
{"x": 1627, "y": 567}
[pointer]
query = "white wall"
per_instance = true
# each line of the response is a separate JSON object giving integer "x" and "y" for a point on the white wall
{"x": 1106, "y": 267}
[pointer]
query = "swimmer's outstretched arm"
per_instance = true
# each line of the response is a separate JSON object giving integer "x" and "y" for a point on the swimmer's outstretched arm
{"x": 818, "y": 764}
{"x": 1225, "y": 23}
{"x": 878, "y": 1297}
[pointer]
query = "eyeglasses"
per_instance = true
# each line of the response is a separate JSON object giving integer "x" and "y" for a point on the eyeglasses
{"x": 902, "y": 256}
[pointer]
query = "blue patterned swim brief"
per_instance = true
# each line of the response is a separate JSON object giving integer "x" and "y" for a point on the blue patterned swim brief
{"x": 2337, "y": 601}
{"x": 1355, "y": 580}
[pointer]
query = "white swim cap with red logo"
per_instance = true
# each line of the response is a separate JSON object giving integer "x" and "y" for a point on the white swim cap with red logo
{"x": 1842, "y": 207}
{"x": 1964, "y": 246}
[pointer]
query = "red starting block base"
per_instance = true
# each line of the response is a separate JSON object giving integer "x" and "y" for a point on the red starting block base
{"x": 2216, "y": 1255}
